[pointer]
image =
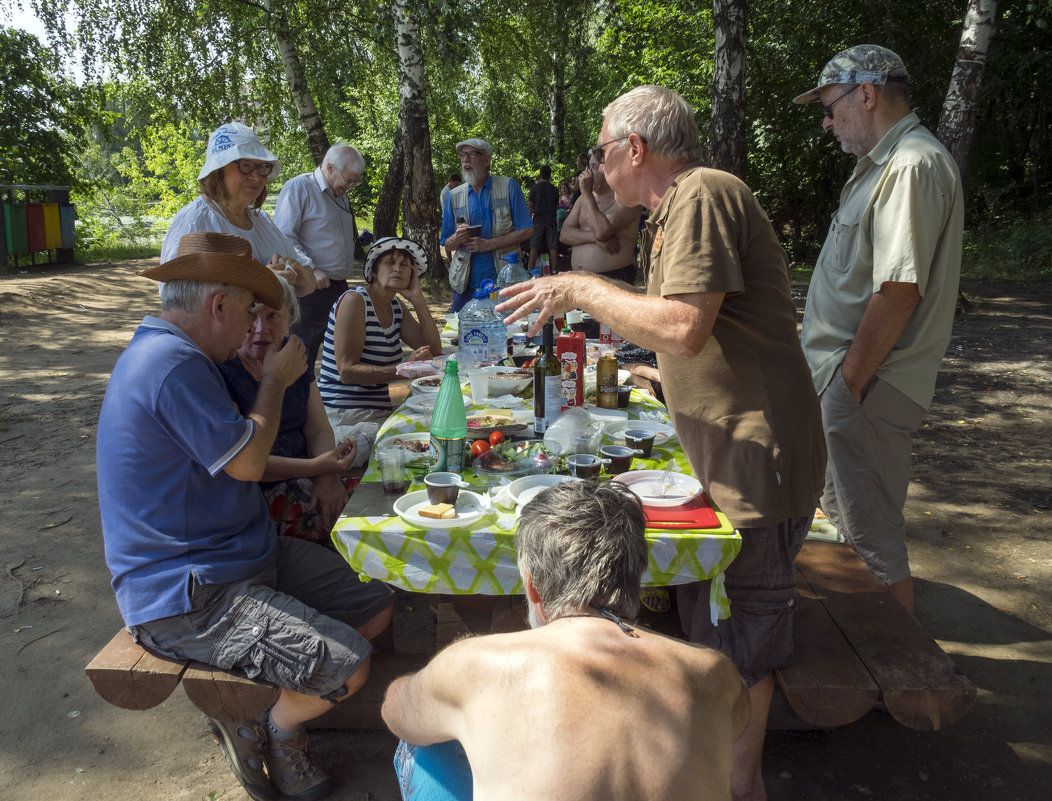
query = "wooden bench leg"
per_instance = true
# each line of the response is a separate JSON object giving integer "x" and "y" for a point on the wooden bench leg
{"x": 229, "y": 698}
{"x": 127, "y": 676}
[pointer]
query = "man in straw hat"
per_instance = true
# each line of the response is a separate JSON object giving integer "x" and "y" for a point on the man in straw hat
{"x": 198, "y": 569}
{"x": 881, "y": 303}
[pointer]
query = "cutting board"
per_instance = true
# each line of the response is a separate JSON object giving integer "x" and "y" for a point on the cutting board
{"x": 695, "y": 513}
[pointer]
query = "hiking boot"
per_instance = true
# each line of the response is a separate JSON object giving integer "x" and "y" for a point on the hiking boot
{"x": 293, "y": 772}
{"x": 244, "y": 746}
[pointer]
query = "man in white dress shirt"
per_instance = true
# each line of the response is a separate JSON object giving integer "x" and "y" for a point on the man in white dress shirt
{"x": 314, "y": 211}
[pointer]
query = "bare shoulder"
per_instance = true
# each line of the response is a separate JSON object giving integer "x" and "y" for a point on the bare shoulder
{"x": 699, "y": 660}
{"x": 352, "y": 303}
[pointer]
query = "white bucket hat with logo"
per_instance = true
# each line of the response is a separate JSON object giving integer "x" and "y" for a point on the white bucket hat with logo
{"x": 233, "y": 141}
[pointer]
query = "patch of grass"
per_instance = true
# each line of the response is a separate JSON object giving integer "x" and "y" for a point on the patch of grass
{"x": 106, "y": 253}
{"x": 1019, "y": 250}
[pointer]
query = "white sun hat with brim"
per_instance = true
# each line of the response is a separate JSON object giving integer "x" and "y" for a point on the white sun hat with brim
{"x": 388, "y": 243}
{"x": 233, "y": 141}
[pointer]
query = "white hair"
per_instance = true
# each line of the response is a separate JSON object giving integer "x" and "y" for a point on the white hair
{"x": 187, "y": 296}
{"x": 659, "y": 116}
{"x": 343, "y": 156}
{"x": 292, "y": 303}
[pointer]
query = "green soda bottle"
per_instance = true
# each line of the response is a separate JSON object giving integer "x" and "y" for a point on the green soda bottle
{"x": 449, "y": 424}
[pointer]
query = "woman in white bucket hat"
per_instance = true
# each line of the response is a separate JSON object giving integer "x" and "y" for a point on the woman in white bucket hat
{"x": 233, "y": 186}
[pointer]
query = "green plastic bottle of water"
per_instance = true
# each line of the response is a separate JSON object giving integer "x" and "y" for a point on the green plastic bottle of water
{"x": 449, "y": 424}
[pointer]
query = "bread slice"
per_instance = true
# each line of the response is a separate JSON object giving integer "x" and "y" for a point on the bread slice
{"x": 438, "y": 511}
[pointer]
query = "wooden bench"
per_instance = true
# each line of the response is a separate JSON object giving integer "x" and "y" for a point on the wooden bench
{"x": 855, "y": 648}
{"x": 126, "y": 675}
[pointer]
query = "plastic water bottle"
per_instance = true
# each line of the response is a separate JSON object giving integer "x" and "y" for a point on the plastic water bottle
{"x": 512, "y": 272}
{"x": 448, "y": 424}
{"x": 483, "y": 335}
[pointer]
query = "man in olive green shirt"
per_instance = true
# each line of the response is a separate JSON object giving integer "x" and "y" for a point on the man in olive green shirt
{"x": 718, "y": 312}
{"x": 881, "y": 303}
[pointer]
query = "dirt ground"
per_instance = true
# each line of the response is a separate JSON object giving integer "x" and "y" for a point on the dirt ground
{"x": 980, "y": 513}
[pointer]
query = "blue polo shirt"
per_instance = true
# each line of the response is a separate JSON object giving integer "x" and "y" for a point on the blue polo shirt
{"x": 479, "y": 202}
{"x": 167, "y": 429}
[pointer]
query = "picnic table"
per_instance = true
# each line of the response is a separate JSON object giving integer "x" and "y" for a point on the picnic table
{"x": 480, "y": 559}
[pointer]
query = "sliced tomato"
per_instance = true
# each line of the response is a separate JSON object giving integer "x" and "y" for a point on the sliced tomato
{"x": 479, "y": 447}
{"x": 495, "y": 439}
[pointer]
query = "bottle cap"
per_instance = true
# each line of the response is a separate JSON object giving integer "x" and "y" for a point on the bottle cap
{"x": 486, "y": 288}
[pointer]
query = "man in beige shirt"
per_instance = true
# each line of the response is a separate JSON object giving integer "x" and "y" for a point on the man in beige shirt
{"x": 881, "y": 302}
{"x": 584, "y": 705}
{"x": 602, "y": 232}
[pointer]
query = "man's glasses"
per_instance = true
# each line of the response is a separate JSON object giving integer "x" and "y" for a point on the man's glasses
{"x": 261, "y": 168}
{"x": 600, "y": 155}
{"x": 828, "y": 110}
{"x": 470, "y": 154}
{"x": 350, "y": 183}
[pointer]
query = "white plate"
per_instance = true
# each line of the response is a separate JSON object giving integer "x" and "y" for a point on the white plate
{"x": 469, "y": 508}
{"x": 663, "y": 432}
{"x": 522, "y": 490}
{"x": 647, "y": 485}
{"x": 425, "y": 403}
{"x": 416, "y": 436}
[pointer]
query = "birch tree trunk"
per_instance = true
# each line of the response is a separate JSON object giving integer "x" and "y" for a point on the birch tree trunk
{"x": 310, "y": 118}
{"x": 957, "y": 121}
{"x": 421, "y": 219}
{"x": 385, "y": 216}
{"x": 726, "y": 147}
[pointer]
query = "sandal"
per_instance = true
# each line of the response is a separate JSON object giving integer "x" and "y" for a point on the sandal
{"x": 655, "y": 599}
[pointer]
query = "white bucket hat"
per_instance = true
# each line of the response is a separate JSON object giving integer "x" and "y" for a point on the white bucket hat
{"x": 389, "y": 243}
{"x": 234, "y": 141}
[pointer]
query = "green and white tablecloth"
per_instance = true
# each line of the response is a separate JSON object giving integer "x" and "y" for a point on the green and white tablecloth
{"x": 481, "y": 559}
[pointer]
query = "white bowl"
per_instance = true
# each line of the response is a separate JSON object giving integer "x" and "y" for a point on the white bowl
{"x": 522, "y": 490}
{"x": 505, "y": 386}
{"x": 417, "y": 385}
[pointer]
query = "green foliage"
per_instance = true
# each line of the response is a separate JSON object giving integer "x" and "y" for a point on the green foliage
{"x": 1012, "y": 155}
{"x": 42, "y": 114}
{"x": 1016, "y": 249}
{"x": 499, "y": 69}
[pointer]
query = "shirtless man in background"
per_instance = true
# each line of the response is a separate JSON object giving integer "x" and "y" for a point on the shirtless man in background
{"x": 584, "y": 705}
{"x": 601, "y": 231}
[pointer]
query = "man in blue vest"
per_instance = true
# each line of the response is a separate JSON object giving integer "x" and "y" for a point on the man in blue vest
{"x": 483, "y": 220}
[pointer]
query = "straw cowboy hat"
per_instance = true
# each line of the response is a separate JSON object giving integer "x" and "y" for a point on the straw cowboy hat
{"x": 220, "y": 259}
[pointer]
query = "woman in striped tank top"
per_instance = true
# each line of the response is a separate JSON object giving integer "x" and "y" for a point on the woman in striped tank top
{"x": 367, "y": 326}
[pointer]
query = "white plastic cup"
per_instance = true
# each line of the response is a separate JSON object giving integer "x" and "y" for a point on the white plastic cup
{"x": 479, "y": 378}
